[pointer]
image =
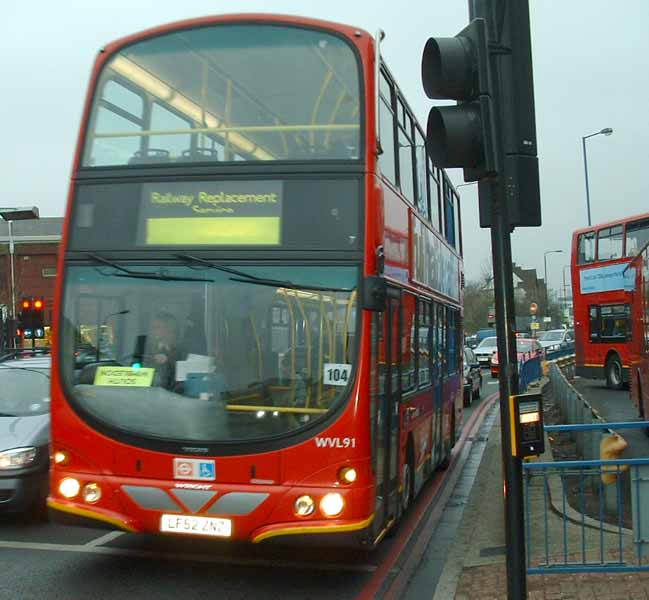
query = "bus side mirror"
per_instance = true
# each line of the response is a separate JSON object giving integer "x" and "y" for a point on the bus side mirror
{"x": 375, "y": 292}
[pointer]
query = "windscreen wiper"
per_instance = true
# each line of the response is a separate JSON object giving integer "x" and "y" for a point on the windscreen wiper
{"x": 24, "y": 369}
{"x": 292, "y": 286}
{"x": 188, "y": 258}
{"x": 140, "y": 274}
{"x": 243, "y": 277}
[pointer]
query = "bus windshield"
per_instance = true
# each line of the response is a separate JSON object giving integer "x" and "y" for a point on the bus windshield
{"x": 227, "y": 93}
{"x": 208, "y": 352}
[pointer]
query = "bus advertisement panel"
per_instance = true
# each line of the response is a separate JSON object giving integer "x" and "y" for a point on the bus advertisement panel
{"x": 235, "y": 357}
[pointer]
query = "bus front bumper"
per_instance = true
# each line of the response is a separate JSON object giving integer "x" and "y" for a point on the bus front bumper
{"x": 271, "y": 520}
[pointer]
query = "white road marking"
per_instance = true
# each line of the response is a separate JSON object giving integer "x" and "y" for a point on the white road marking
{"x": 104, "y": 539}
{"x": 494, "y": 382}
{"x": 172, "y": 556}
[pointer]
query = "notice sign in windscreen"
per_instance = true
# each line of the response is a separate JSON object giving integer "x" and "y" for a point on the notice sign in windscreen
{"x": 211, "y": 213}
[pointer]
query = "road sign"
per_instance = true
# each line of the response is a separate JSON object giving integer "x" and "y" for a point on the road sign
{"x": 547, "y": 319}
{"x": 535, "y": 325}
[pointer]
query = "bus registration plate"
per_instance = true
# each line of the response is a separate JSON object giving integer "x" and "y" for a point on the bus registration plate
{"x": 196, "y": 525}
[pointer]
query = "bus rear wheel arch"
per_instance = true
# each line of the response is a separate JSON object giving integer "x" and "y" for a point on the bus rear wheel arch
{"x": 613, "y": 372}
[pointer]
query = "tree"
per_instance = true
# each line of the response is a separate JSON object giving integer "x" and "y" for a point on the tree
{"x": 478, "y": 299}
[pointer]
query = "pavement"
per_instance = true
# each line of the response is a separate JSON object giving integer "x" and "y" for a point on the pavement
{"x": 475, "y": 564}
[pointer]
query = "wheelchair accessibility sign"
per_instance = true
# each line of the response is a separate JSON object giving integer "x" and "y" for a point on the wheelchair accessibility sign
{"x": 194, "y": 469}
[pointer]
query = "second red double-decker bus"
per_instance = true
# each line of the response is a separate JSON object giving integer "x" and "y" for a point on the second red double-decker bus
{"x": 258, "y": 321}
{"x": 607, "y": 307}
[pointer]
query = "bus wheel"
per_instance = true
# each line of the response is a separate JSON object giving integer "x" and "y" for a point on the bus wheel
{"x": 613, "y": 372}
{"x": 407, "y": 479}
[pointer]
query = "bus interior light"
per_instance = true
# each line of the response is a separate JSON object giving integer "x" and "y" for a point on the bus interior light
{"x": 347, "y": 475}
{"x": 91, "y": 492}
{"x": 332, "y": 504}
{"x": 304, "y": 506}
{"x": 69, "y": 487}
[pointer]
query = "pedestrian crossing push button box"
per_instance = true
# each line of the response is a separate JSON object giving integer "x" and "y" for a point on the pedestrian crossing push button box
{"x": 526, "y": 413}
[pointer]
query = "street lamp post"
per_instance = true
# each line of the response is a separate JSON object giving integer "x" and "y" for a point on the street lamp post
{"x": 605, "y": 131}
{"x": 566, "y": 304}
{"x": 545, "y": 275}
{"x": 11, "y": 214}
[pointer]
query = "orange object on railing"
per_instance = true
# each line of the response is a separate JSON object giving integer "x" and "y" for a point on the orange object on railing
{"x": 610, "y": 448}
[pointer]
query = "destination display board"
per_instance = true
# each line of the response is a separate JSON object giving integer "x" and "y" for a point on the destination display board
{"x": 258, "y": 213}
{"x": 215, "y": 213}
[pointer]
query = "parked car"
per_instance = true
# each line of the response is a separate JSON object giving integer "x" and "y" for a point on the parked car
{"x": 472, "y": 377}
{"x": 24, "y": 432}
{"x": 526, "y": 349}
{"x": 484, "y": 350}
{"x": 556, "y": 339}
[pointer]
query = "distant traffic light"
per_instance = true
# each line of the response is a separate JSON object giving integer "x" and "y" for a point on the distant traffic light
{"x": 37, "y": 319}
{"x": 31, "y": 319}
{"x": 464, "y": 135}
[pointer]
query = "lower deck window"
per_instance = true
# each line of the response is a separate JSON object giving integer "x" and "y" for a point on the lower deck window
{"x": 610, "y": 323}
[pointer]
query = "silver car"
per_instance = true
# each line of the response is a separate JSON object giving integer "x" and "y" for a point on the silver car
{"x": 556, "y": 339}
{"x": 24, "y": 433}
{"x": 485, "y": 350}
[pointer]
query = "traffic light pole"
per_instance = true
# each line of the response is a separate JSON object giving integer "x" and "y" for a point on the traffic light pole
{"x": 505, "y": 324}
{"x": 491, "y": 134}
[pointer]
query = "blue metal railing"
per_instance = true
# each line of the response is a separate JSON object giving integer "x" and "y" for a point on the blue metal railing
{"x": 577, "y": 523}
{"x": 528, "y": 371}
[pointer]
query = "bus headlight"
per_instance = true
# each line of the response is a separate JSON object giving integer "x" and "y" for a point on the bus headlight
{"x": 347, "y": 475}
{"x": 91, "y": 493}
{"x": 304, "y": 506}
{"x": 332, "y": 504}
{"x": 69, "y": 487}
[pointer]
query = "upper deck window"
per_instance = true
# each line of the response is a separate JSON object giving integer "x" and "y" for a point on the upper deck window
{"x": 637, "y": 235}
{"x": 227, "y": 93}
{"x": 586, "y": 248}
{"x": 609, "y": 243}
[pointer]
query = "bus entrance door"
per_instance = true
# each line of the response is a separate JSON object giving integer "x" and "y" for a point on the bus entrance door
{"x": 437, "y": 333}
{"x": 387, "y": 471}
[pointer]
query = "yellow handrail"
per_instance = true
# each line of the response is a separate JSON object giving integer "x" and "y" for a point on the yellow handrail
{"x": 279, "y": 409}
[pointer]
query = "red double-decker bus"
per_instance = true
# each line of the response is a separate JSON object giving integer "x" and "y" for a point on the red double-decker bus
{"x": 258, "y": 320}
{"x": 607, "y": 307}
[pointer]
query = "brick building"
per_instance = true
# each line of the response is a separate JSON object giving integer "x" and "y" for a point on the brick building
{"x": 36, "y": 244}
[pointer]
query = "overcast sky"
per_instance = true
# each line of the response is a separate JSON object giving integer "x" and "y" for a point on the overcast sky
{"x": 590, "y": 72}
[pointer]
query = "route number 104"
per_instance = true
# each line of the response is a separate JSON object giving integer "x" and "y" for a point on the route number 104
{"x": 336, "y": 374}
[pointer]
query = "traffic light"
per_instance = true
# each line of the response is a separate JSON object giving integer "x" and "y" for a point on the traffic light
{"x": 491, "y": 132}
{"x": 463, "y": 135}
{"x": 31, "y": 319}
{"x": 38, "y": 307}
